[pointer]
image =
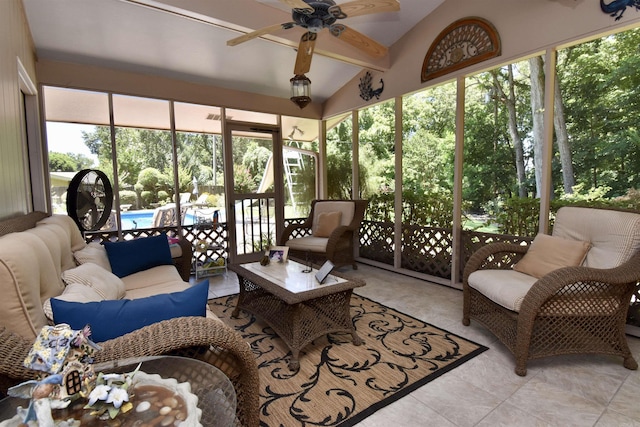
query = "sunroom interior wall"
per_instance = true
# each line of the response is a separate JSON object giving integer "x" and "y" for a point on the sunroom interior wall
{"x": 15, "y": 42}
{"x": 525, "y": 27}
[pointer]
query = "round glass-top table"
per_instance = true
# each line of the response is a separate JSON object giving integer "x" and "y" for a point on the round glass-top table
{"x": 216, "y": 395}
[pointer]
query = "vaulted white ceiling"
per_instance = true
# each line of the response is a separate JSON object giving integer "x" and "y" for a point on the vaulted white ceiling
{"x": 186, "y": 40}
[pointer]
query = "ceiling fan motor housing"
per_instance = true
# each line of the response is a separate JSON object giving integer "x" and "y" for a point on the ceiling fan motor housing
{"x": 325, "y": 13}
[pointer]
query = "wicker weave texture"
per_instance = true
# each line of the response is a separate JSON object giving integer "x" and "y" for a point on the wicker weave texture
{"x": 340, "y": 247}
{"x": 301, "y": 319}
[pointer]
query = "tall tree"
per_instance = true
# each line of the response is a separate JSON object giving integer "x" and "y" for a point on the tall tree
{"x": 509, "y": 100}
{"x": 537, "y": 110}
{"x": 562, "y": 139}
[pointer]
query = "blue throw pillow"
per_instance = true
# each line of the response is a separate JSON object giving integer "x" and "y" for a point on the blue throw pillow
{"x": 131, "y": 256}
{"x": 113, "y": 318}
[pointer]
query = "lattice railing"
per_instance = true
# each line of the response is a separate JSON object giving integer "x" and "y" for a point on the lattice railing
{"x": 424, "y": 249}
{"x": 215, "y": 235}
{"x": 427, "y": 250}
{"x": 376, "y": 241}
{"x": 474, "y": 240}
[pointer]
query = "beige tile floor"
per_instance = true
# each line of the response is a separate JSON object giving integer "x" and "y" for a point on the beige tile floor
{"x": 560, "y": 391}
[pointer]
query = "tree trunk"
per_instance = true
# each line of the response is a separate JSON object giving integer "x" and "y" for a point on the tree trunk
{"x": 568, "y": 178}
{"x": 537, "y": 110}
{"x": 510, "y": 102}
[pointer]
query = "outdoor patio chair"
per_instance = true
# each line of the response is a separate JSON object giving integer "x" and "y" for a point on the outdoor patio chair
{"x": 201, "y": 200}
{"x": 567, "y": 293}
{"x": 165, "y": 216}
{"x": 328, "y": 233}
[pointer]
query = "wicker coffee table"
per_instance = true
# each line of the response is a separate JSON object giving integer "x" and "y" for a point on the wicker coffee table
{"x": 294, "y": 304}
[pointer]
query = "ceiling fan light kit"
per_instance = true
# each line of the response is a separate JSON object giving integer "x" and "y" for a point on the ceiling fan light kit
{"x": 300, "y": 90}
{"x": 314, "y": 16}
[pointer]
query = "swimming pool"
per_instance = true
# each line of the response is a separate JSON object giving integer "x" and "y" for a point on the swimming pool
{"x": 132, "y": 220}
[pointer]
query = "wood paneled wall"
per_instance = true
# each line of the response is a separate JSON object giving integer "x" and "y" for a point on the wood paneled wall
{"x": 15, "y": 43}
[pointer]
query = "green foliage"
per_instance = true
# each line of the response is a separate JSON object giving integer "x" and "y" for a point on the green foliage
{"x": 60, "y": 162}
{"x": 150, "y": 178}
{"x": 255, "y": 160}
{"x": 519, "y": 216}
{"x": 264, "y": 243}
{"x": 147, "y": 197}
{"x": 163, "y": 196}
{"x": 128, "y": 197}
{"x": 68, "y": 162}
{"x": 214, "y": 200}
{"x": 242, "y": 179}
{"x": 429, "y": 209}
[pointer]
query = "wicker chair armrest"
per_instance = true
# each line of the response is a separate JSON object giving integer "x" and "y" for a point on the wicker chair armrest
{"x": 183, "y": 263}
{"x": 620, "y": 280}
{"x": 499, "y": 255}
{"x": 13, "y": 351}
{"x": 171, "y": 335}
{"x": 336, "y": 237}
{"x": 165, "y": 337}
{"x": 289, "y": 229}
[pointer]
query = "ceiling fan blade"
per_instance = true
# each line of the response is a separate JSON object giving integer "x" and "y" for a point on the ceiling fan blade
{"x": 362, "y": 42}
{"x": 296, "y": 4}
{"x": 305, "y": 52}
{"x": 254, "y": 34}
{"x": 365, "y": 7}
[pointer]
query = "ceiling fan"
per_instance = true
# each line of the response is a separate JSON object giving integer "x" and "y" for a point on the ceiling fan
{"x": 316, "y": 15}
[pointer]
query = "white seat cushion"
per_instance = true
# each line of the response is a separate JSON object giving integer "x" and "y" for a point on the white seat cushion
{"x": 504, "y": 287}
{"x": 153, "y": 277}
{"x": 308, "y": 243}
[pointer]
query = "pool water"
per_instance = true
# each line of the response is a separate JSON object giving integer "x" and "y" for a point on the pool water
{"x": 132, "y": 220}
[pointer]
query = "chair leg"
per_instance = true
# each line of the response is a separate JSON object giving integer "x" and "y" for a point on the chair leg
{"x": 521, "y": 370}
{"x": 630, "y": 363}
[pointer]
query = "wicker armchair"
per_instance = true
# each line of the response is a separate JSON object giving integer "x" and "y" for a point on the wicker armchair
{"x": 338, "y": 246}
{"x": 571, "y": 310}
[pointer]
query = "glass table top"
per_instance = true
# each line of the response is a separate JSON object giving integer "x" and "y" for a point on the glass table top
{"x": 292, "y": 276}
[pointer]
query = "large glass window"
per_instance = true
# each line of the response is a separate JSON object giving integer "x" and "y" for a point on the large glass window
{"x": 596, "y": 149}
{"x": 340, "y": 159}
{"x": 145, "y": 162}
{"x": 503, "y": 149}
{"x": 200, "y": 161}
{"x": 427, "y": 180}
{"x": 300, "y": 157}
{"x": 71, "y": 119}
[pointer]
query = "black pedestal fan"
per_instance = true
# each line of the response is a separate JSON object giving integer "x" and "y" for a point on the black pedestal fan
{"x": 89, "y": 199}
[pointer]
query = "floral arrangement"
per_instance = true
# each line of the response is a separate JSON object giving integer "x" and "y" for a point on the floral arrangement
{"x": 110, "y": 394}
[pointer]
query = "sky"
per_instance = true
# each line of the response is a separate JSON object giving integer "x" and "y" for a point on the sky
{"x": 67, "y": 138}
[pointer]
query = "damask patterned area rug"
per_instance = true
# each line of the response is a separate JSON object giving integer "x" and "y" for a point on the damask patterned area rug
{"x": 340, "y": 384}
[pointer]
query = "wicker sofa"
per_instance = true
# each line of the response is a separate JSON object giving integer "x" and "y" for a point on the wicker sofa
{"x": 578, "y": 307}
{"x": 35, "y": 252}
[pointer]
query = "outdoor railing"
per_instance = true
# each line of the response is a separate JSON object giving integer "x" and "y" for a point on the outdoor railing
{"x": 425, "y": 250}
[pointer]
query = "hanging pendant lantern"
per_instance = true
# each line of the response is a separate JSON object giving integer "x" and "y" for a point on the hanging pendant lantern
{"x": 300, "y": 90}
